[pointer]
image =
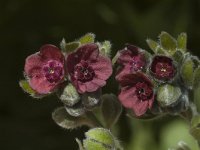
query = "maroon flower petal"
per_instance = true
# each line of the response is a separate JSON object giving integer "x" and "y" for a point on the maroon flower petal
{"x": 132, "y": 79}
{"x": 33, "y": 64}
{"x": 86, "y": 52}
{"x": 162, "y": 68}
{"x": 125, "y": 57}
{"x": 136, "y": 92}
{"x": 127, "y": 54}
{"x": 49, "y": 51}
{"x": 102, "y": 67}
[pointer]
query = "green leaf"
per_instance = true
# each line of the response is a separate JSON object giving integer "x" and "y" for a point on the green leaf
{"x": 111, "y": 109}
{"x": 69, "y": 47}
{"x": 168, "y": 95}
{"x": 105, "y": 48}
{"x": 178, "y": 57}
{"x": 88, "y": 38}
{"x": 196, "y": 80}
{"x": 114, "y": 60}
{"x": 153, "y": 45}
{"x": 168, "y": 42}
{"x": 187, "y": 72}
{"x": 195, "y": 127}
{"x": 72, "y": 46}
{"x": 63, "y": 119}
{"x": 97, "y": 138}
{"x": 197, "y": 97}
{"x": 182, "y": 42}
{"x": 26, "y": 88}
{"x": 93, "y": 145}
{"x": 160, "y": 50}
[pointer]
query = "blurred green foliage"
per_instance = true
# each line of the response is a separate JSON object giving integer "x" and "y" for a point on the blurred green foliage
{"x": 25, "y": 25}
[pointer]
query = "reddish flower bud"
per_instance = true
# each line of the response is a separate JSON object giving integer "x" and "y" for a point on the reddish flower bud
{"x": 45, "y": 69}
{"x": 88, "y": 69}
{"x": 132, "y": 59}
{"x": 136, "y": 92}
{"x": 162, "y": 68}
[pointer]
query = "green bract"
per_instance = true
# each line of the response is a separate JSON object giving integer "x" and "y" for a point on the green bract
{"x": 168, "y": 95}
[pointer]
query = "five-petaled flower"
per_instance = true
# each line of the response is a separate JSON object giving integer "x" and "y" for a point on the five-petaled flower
{"x": 131, "y": 59}
{"x": 162, "y": 68}
{"x": 136, "y": 92}
{"x": 45, "y": 69}
{"x": 88, "y": 69}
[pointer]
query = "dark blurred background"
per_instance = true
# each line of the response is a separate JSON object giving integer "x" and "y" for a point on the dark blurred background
{"x": 25, "y": 25}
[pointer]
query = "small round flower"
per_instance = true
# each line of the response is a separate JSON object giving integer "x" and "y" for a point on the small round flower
{"x": 162, "y": 68}
{"x": 45, "y": 69}
{"x": 136, "y": 93}
{"x": 132, "y": 59}
{"x": 88, "y": 70}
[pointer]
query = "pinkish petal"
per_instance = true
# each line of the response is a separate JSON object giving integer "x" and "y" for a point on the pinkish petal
{"x": 91, "y": 86}
{"x": 140, "y": 107}
{"x": 102, "y": 67}
{"x": 123, "y": 71}
{"x": 99, "y": 82}
{"x": 33, "y": 64}
{"x": 81, "y": 87}
{"x": 151, "y": 101}
{"x": 128, "y": 97}
{"x": 49, "y": 51}
{"x": 41, "y": 85}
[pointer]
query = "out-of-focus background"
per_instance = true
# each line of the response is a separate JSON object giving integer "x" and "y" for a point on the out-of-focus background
{"x": 25, "y": 25}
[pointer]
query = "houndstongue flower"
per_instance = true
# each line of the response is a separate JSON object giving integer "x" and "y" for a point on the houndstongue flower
{"x": 88, "y": 69}
{"x": 163, "y": 68}
{"x": 132, "y": 59}
{"x": 45, "y": 69}
{"x": 136, "y": 92}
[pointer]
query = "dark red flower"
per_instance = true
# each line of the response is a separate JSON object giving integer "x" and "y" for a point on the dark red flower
{"x": 132, "y": 59}
{"x": 45, "y": 69}
{"x": 162, "y": 68}
{"x": 136, "y": 93}
{"x": 88, "y": 70}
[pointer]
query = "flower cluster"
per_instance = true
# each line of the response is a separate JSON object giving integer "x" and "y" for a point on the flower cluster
{"x": 152, "y": 84}
{"x": 76, "y": 73}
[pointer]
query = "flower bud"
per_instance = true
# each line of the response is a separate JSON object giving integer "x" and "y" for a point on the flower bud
{"x": 90, "y": 100}
{"x": 76, "y": 110}
{"x": 99, "y": 138}
{"x": 168, "y": 95}
{"x": 69, "y": 96}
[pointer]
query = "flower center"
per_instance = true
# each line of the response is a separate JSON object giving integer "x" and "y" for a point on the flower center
{"x": 83, "y": 72}
{"x": 53, "y": 71}
{"x": 164, "y": 70}
{"x": 143, "y": 91}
